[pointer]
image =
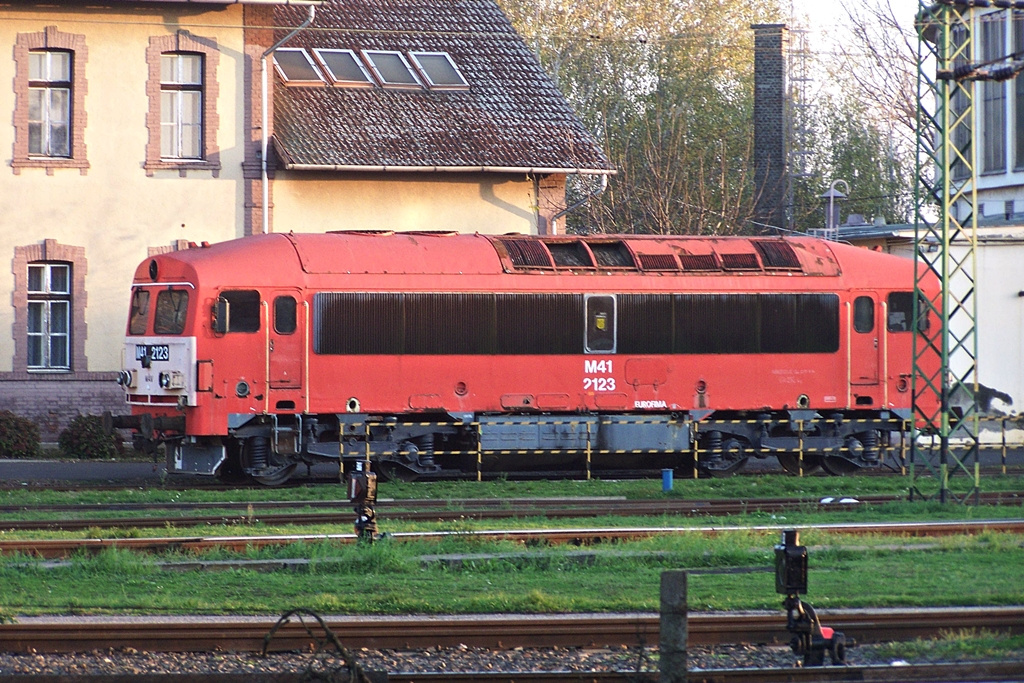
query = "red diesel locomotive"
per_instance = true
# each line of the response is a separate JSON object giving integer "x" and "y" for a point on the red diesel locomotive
{"x": 440, "y": 354}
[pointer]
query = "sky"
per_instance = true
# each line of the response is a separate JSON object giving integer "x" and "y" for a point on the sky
{"x": 827, "y": 17}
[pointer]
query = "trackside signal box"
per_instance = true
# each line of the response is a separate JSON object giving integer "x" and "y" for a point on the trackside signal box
{"x": 790, "y": 564}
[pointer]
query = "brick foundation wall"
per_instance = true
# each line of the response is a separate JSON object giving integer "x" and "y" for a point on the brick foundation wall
{"x": 53, "y": 403}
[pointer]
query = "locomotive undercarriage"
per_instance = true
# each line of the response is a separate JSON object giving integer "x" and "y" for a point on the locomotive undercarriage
{"x": 803, "y": 441}
{"x": 269, "y": 449}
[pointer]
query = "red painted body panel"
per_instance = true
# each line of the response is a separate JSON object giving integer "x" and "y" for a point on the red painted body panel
{"x": 868, "y": 371}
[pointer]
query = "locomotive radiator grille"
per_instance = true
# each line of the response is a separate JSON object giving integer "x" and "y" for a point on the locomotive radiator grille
{"x": 393, "y": 323}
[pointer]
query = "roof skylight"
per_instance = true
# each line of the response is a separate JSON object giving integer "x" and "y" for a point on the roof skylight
{"x": 439, "y": 69}
{"x": 344, "y": 67}
{"x": 392, "y": 69}
{"x": 296, "y": 66}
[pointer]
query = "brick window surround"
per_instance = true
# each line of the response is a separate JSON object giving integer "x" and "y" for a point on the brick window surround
{"x": 49, "y": 251}
{"x": 183, "y": 41}
{"x": 49, "y": 39}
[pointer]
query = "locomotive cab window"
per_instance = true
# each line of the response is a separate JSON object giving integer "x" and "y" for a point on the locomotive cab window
{"x": 901, "y": 311}
{"x": 140, "y": 312}
{"x": 863, "y": 314}
{"x": 241, "y": 310}
{"x": 284, "y": 315}
{"x": 600, "y": 324}
{"x": 171, "y": 311}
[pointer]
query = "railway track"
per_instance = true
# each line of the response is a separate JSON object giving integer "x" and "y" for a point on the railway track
{"x": 57, "y": 548}
{"x": 247, "y": 634}
{"x": 427, "y": 510}
{"x": 635, "y": 632}
{"x": 932, "y": 673}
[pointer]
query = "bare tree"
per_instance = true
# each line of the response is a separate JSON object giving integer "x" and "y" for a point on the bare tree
{"x": 667, "y": 86}
{"x": 879, "y": 63}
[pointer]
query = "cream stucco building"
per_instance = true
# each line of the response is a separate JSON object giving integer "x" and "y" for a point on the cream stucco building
{"x": 136, "y": 126}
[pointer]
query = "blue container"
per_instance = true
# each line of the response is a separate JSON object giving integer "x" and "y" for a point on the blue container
{"x": 666, "y": 480}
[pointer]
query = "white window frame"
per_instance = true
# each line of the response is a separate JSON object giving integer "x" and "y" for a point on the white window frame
{"x": 49, "y": 311}
{"x": 344, "y": 82}
{"x": 1017, "y": 91}
{"x": 368, "y": 56}
{"x": 309, "y": 60}
{"x": 993, "y": 97}
{"x": 175, "y": 95}
{"x": 44, "y": 90}
{"x": 464, "y": 85}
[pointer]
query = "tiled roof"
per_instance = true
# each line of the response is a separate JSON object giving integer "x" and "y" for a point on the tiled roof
{"x": 512, "y": 115}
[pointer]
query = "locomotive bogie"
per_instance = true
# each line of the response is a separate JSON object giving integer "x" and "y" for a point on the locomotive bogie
{"x": 438, "y": 355}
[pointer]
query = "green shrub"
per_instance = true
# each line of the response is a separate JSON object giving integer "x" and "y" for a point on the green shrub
{"x": 19, "y": 436}
{"x": 86, "y": 439}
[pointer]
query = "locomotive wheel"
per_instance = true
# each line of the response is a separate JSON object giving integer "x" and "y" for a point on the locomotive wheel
{"x": 277, "y": 477}
{"x": 393, "y": 471}
{"x": 837, "y": 466}
{"x": 791, "y": 462}
{"x": 733, "y": 468}
{"x": 732, "y": 460}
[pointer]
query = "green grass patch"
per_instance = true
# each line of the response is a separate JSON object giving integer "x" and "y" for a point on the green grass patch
{"x": 732, "y": 569}
{"x": 956, "y": 646}
{"x": 728, "y": 572}
{"x": 735, "y": 488}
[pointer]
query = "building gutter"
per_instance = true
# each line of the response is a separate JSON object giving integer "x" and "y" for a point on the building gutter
{"x": 264, "y": 182}
{"x": 247, "y": 2}
{"x": 530, "y": 170}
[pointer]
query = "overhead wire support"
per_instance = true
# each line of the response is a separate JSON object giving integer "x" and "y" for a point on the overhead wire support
{"x": 945, "y": 382}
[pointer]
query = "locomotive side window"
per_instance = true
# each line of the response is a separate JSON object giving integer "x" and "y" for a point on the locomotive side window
{"x": 284, "y": 315}
{"x": 863, "y": 314}
{"x": 171, "y": 309}
{"x": 140, "y": 312}
{"x": 901, "y": 311}
{"x": 600, "y": 324}
{"x": 243, "y": 310}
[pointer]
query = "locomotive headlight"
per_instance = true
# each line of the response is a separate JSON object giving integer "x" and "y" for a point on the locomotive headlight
{"x": 242, "y": 389}
{"x": 174, "y": 379}
{"x": 126, "y": 378}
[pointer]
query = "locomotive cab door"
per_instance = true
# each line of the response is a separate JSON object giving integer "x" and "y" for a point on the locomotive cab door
{"x": 286, "y": 340}
{"x": 864, "y": 339}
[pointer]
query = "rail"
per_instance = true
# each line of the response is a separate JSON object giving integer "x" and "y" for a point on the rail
{"x": 57, "y": 548}
{"x": 507, "y": 631}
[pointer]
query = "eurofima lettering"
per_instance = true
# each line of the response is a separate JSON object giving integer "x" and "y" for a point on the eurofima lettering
{"x": 649, "y": 404}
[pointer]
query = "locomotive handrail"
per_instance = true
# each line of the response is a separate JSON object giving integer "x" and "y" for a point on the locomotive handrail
{"x": 885, "y": 353}
{"x": 163, "y": 284}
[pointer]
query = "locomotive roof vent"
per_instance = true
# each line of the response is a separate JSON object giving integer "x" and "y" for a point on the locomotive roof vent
{"x": 612, "y": 254}
{"x": 777, "y": 254}
{"x": 570, "y": 254}
{"x": 740, "y": 261}
{"x": 658, "y": 262}
{"x": 699, "y": 262}
{"x": 526, "y": 253}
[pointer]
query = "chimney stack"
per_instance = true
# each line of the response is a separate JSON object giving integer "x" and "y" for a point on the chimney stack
{"x": 770, "y": 143}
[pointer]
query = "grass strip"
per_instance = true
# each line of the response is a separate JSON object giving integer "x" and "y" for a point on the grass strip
{"x": 391, "y": 578}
